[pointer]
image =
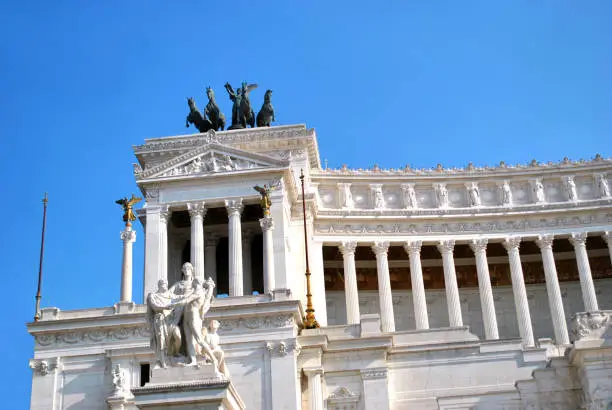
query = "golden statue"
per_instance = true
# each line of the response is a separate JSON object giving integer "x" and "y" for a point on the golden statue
{"x": 128, "y": 212}
{"x": 265, "y": 198}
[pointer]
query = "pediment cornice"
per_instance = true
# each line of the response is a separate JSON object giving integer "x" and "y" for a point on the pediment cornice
{"x": 208, "y": 159}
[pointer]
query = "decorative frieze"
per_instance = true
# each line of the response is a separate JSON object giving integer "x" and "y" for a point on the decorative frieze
{"x": 257, "y": 322}
{"x": 98, "y": 335}
{"x": 590, "y": 325}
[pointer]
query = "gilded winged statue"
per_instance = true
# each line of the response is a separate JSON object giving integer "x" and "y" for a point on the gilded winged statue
{"x": 265, "y": 198}
{"x": 128, "y": 211}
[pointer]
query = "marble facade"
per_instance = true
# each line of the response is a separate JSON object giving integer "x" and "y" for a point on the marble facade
{"x": 472, "y": 288}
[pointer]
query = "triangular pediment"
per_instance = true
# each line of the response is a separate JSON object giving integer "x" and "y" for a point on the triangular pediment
{"x": 210, "y": 159}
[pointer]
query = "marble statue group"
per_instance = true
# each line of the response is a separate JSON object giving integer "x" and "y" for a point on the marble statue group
{"x": 242, "y": 112}
{"x": 176, "y": 318}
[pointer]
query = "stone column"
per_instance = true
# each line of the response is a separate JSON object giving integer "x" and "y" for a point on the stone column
{"x": 234, "y": 208}
{"x": 267, "y": 226}
{"x": 247, "y": 264}
{"x": 584, "y": 270}
{"x": 607, "y": 237}
{"x": 413, "y": 248}
{"x": 210, "y": 256}
{"x": 128, "y": 237}
{"x": 384, "y": 287}
{"x": 545, "y": 242}
{"x": 450, "y": 283}
{"x": 479, "y": 247}
{"x": 518, "y": 288}
{"x": 314, "y": 387}
{"x": 350, "y": 282}
{"x": 197, "y": 211}
{"x": 156, "y": 247}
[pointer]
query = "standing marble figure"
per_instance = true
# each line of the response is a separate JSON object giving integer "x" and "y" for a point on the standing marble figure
{"x": 176, "y": 316}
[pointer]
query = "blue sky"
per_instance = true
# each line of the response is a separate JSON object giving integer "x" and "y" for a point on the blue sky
{"x": 382, "y": 82}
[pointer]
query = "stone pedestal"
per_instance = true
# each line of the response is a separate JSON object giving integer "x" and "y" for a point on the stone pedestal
{"x": 187, "y": 388}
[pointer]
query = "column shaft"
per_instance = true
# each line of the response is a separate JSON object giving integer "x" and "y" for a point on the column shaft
{"x": 545, "y": 242}
{"x": 128, "y": 236}
{"x": 607, "y": 237}
{"x": 350, "y": 282}
{"x": 234, "y": 207}
{"x": 584, "y": 270}
{"x": 450, "y": 283}
{"x": 384, "y": 287}
{"x": 267, "y": 226}
{"x": 247, "y": 268}
{"x": 156, "y": 248}
{"x": 413, "y": 248}
{"x": 210, "y": 256}
{"x": 196, "y": 213}
{"x": 518, "y": 288}
{"x": 315, "y": 389}
{"x": 479, "y": 246}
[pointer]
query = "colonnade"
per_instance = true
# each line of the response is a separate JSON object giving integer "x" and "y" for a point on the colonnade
{"x": 479, "y": 248}
{"x": 203, "y": 250}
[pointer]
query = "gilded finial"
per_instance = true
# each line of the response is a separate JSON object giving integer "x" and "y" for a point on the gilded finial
{"x": 128, "y": 211}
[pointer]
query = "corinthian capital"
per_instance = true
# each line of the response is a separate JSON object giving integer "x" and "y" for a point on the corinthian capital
{"x": 266, "y": 223}
{"x": 234, "y": 206}
{"x": 512, "y": 243}
{"x": 479, "y": 245}
{"x": 348, "y": 248}
{"x": 545, "y": 241}
{"x": 413, "y": 247}
{"x": 196, "y": 209}
{"x": 578, "y": 238}
{"x": 380, "y": 248}
{"x": 128, "y": 235}
{"x": 446, "y": 246}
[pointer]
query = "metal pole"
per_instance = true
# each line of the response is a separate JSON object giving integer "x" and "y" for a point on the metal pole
{"x": 309, "y": 322}
{"x": 42, "y": 253}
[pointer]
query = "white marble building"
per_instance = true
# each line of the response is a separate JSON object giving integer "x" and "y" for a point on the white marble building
{"x": 474, "y": 288}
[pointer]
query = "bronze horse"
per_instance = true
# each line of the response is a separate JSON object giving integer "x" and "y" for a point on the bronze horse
{"x": 196, "y": 118}
{"x": 213, "y": 112}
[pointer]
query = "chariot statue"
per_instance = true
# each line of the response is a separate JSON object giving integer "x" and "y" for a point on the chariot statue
{"x": 242, "y": 113}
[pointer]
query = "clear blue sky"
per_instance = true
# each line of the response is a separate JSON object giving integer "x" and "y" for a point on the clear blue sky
{"x": 419, "y": 82}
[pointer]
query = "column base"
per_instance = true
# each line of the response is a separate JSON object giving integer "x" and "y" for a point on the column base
{"x": 124, "y": 307}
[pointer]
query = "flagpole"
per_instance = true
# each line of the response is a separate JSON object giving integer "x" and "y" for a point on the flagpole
{"x": 309, "y": 322}
{"x": 42, "y": 252}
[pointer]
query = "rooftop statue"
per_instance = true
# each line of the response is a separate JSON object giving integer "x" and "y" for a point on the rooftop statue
{"x": 128, "y": 211}
{"x": 264, "y": 191}
{"x": 265, "y": 116}
{"x": 242, "y": 113}
{"x": 212, "y": 111}
{"x": 176, "y": 317}
{"x": 196, "y": 118}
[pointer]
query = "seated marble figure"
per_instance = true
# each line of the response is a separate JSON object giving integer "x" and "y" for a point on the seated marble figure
{"x": 176, "y": 317}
